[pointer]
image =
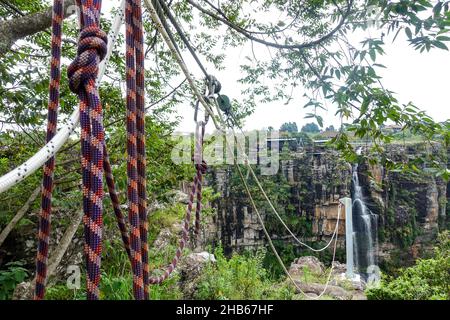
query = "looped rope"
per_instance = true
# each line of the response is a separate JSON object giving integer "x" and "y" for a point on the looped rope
{"x": 196, "y": 191}
{"x": 82, "y": 75}
{"x": 202, "y": 167}
{"x": 92, "y": 48}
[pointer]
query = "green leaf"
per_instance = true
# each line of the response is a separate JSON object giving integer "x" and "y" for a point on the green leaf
{"x": 319, "y": 120}
{"x": 365, "y": 105}
{"x": 443, "y": 38}
{"x": 372, "y": 54}
{"x": 440, "y": 45}
{"x": 379, "y": 65}
{"x": 408, "y": 32}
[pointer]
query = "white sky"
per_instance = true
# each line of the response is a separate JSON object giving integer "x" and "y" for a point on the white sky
{"x": 419, "y": 78}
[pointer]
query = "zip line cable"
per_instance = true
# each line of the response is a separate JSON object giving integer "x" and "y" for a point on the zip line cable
{"x": 272, "y": 246}
{"x": 159, "y": 12}
{"x": 159, "y": 25}
{"x": 182, "y": 35}
{"x": 252, "y": 172}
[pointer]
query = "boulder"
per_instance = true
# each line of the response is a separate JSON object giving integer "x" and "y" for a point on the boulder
{"x": 339, "y": 268}
{"x": 310, "y": 263}
{"x": 177, "y": 196}
{"x": 190, "y": 269}
{"x": 313, "y": 290}
{"x": 166, "y": 235}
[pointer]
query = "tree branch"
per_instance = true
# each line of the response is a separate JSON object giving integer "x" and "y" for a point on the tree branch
{"x": 24, "y": 291}
{"x": 19, "y": 214}
{"x": 20, "y": 27}
{"x": 299, "y": 46}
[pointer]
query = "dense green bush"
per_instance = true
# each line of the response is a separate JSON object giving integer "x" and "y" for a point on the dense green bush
{"x": 429, "y": 279}
{"x": 9, "y": 278}
{"x": 240, "y": 277}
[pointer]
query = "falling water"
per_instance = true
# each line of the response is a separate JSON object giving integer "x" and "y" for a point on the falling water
{"x": 364, "y": 227}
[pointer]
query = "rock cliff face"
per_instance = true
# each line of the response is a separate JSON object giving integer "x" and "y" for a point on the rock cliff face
{"x": 412, "y": 208}
{"x": 307, "y": 189}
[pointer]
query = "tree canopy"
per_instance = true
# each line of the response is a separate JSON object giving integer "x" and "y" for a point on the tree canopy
{"x": 311, "y": 128}
{"x": 309, "y": 47}
{"x": 289, "y": 127}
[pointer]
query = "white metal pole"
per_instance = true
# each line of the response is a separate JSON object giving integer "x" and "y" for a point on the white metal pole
{"x": 347, "y": 202}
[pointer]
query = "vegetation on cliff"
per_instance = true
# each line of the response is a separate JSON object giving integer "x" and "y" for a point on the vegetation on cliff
{"x": 429, "y": 279}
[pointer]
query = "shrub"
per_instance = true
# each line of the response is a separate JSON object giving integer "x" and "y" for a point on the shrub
{"x": 240, "y": 277}
{"x": 427, "y": 280}
{"x": 10, "y": 278}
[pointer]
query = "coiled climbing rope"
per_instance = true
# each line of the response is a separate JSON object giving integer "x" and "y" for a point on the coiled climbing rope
{"x": 196, "y": 191}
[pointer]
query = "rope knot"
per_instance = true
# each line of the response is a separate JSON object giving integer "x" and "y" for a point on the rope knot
{"x": 202, "y": 167}
{"x": 92, "y": 48}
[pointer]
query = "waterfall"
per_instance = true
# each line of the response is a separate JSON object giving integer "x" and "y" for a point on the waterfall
{"x": 365, "y": 234}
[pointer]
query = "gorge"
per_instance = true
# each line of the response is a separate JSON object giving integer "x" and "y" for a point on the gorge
{"x": 396, "y": 215}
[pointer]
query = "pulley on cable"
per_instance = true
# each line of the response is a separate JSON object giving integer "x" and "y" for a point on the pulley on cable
{"x": 223, "y": 101}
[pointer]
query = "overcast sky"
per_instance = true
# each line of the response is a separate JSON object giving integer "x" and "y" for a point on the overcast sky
{"x": 419, "y": 78}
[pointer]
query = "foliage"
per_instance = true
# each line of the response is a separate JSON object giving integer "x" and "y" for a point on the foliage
{"x": 289, "y": 127}
{"x": 310, "y": 128}
{"x": 14, "y": 274}
{"x": 310, "y": 47}
{"x": 240, "y": 277}
{"x": 427, "y": 280}
{"x": 289, "y": 253}
{"x": 62, "y": 292}
{"x": 121, "y": 288}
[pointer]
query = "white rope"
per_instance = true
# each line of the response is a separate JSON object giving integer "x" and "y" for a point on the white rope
{"x": 261, "y": 221}
{"x": 54, "y": 145}
{"x": 334, "y": 257}
{"x": 266, "y": 233}
{"x": 250, "y": 169}
{"x": 179, "y": 59}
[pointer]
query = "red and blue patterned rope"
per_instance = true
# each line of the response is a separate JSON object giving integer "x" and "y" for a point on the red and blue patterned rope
{"x": 49, "y": 167}
{"x": 132, "y": 153}
{"x": 82, "y": 73}
{"x": 140, "y": 141}
{"x": 196, "y": 191}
